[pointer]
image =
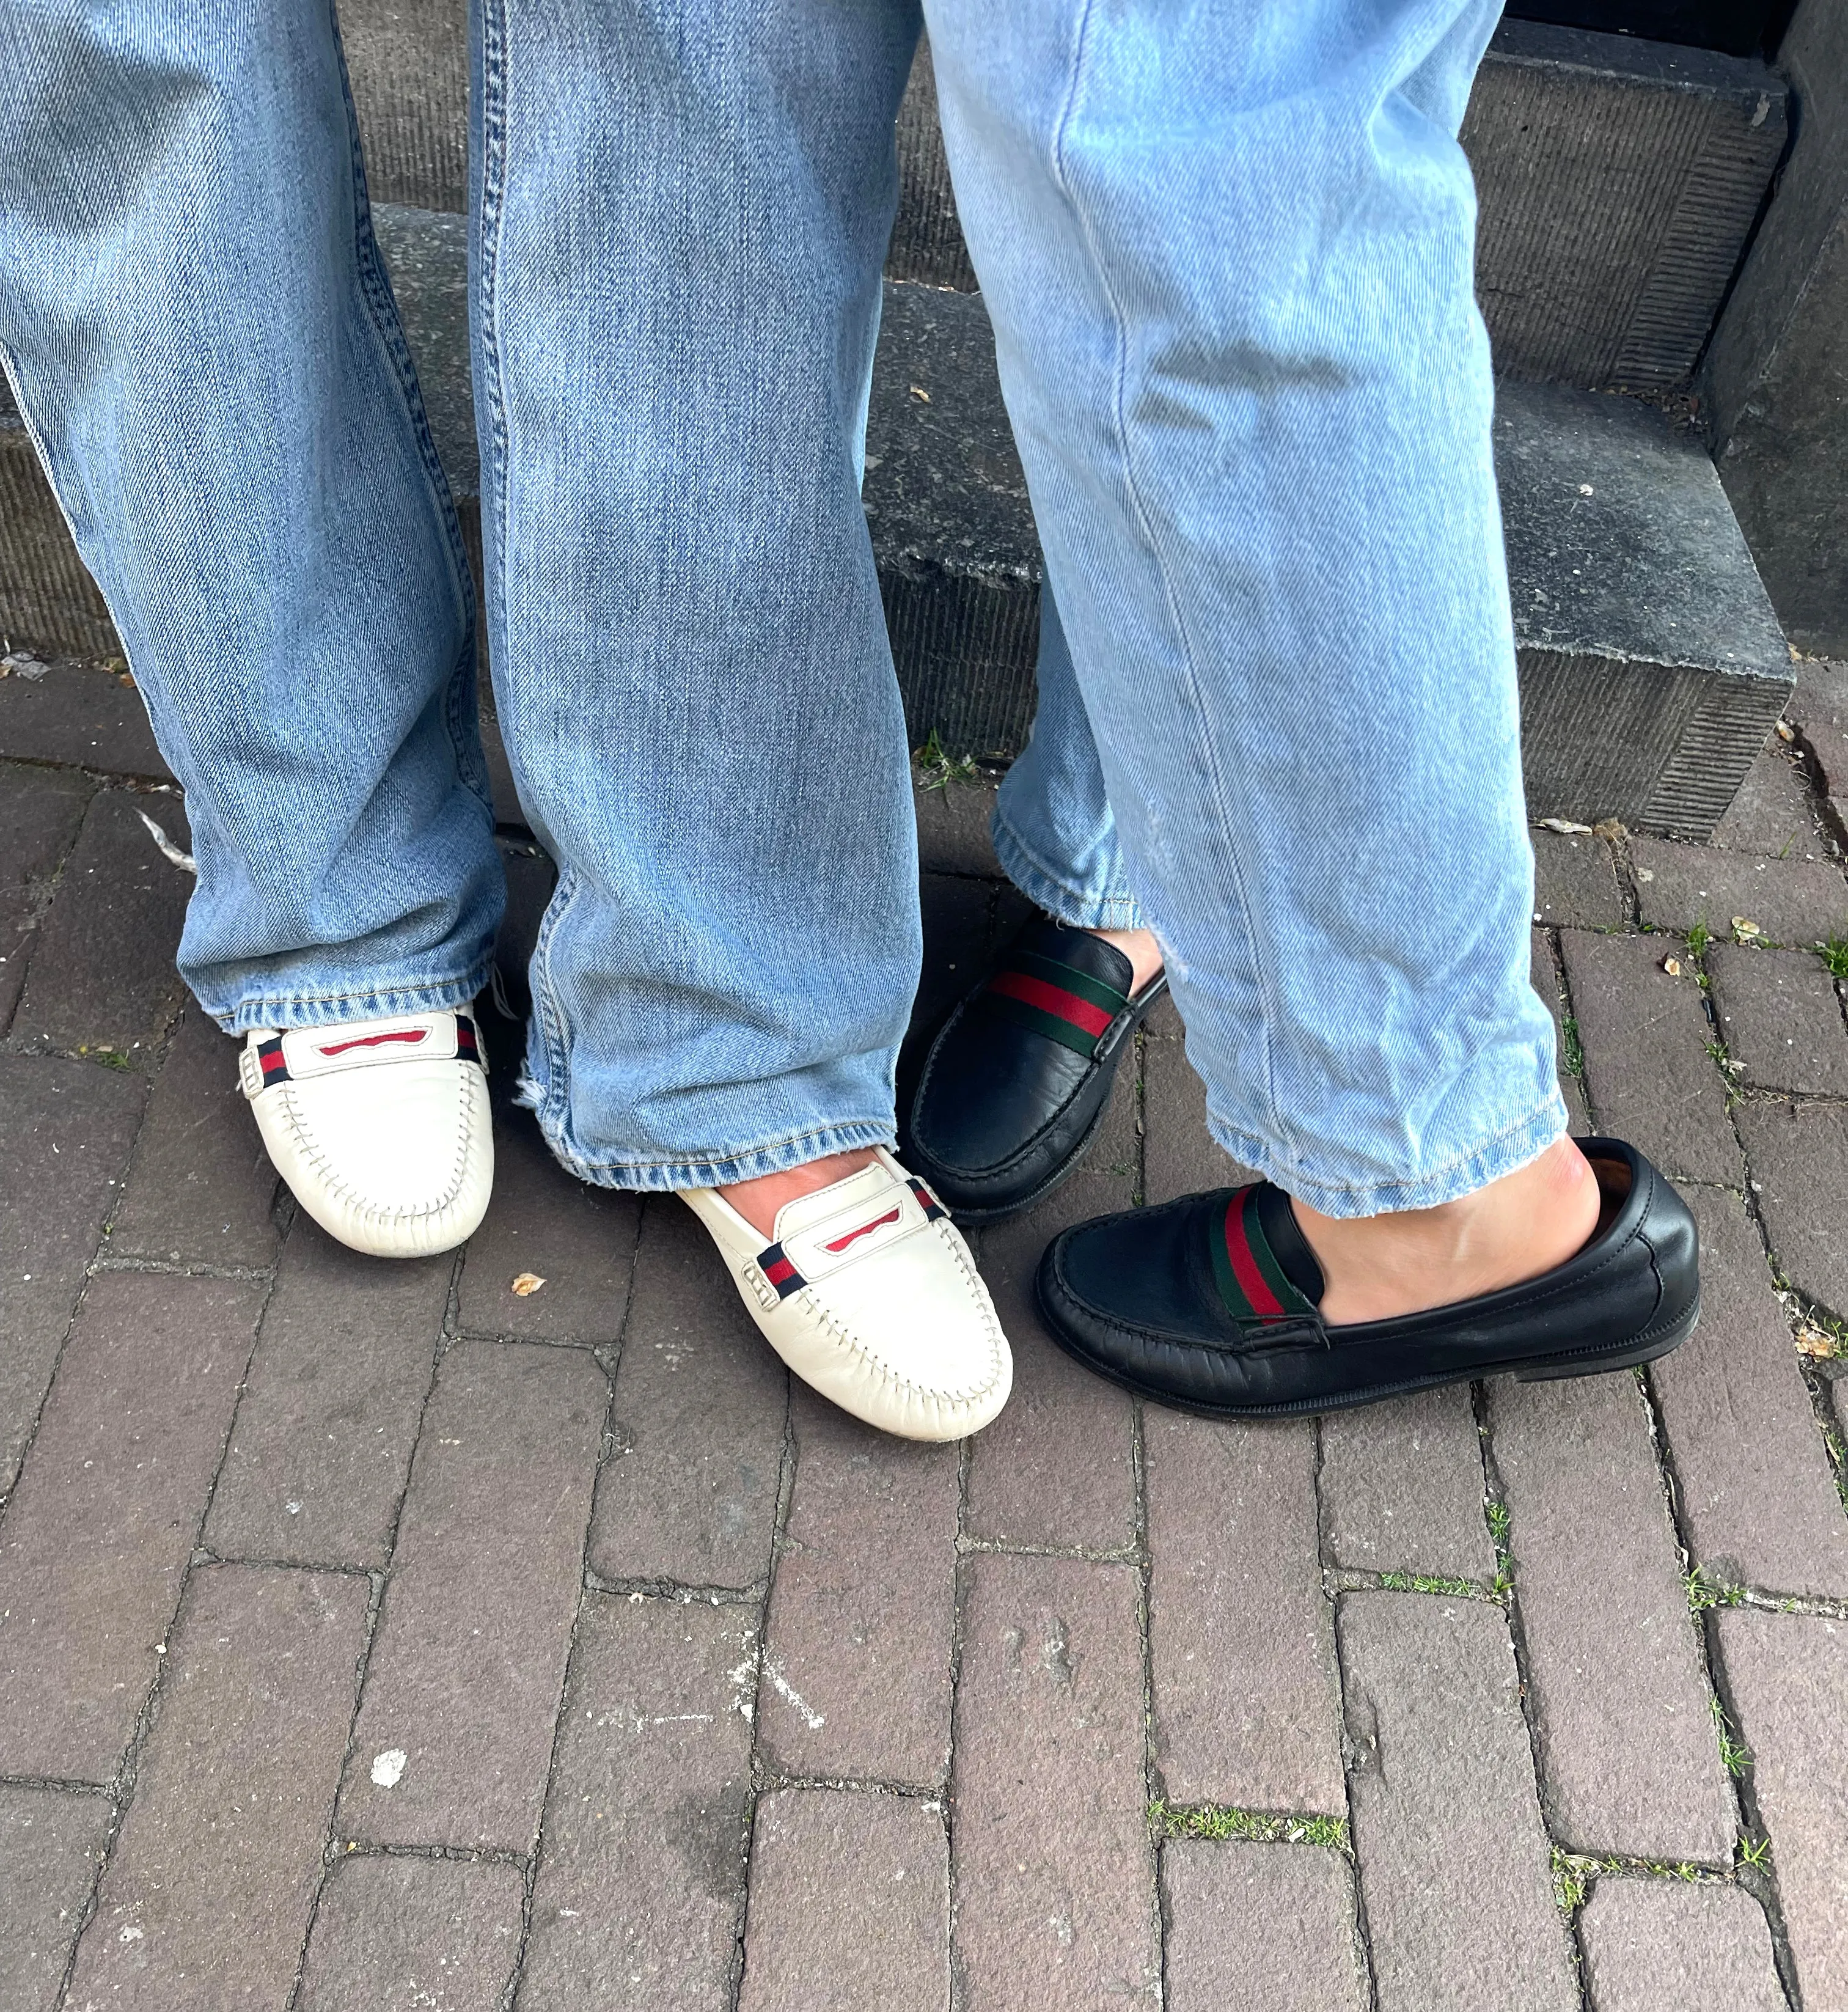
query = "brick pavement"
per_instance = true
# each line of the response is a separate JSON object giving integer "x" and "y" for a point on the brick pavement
{"x": 372, "y": 1636}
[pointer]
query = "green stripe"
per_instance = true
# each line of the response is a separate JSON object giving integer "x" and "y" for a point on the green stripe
{"x": 1288, "y": 1297}
{"x": 1041, "y": 1022}
{"x": 1236, "y": 1304}
{"x": 1092, "y": 990}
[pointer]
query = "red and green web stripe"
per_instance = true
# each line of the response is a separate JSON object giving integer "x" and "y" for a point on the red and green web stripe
{"x": 1250, "y": 1281}
{"x": 1052, "y": 999}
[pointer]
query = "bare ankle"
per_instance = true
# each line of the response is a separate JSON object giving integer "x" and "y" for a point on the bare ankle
{"x": 1512, "y": 1230}
{"x": 1140, "y": 947}
{"x": 758, "y": 1200}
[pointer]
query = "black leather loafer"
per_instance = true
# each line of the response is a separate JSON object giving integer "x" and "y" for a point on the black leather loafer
{"x": 1017, "y": 1079}
{"x": 1209, "y": 1303}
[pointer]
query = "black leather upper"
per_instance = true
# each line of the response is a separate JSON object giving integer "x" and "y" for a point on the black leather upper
{"x": 1133, "y": 1297}
{"x": 1001, "y": 1113}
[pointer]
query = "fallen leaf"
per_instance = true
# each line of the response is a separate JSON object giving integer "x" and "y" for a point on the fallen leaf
{"x": 1567, "y": 826}
{"x": 1743, "y": 928}
{"x": 1813, "y": 1341}
{"x": 527, "y": 1284}
{"x": 1611, "y": 828}
{"x": 920, "y": 393}
{"x": 1785, "y": 730}
{"x": 1672, "y": 966}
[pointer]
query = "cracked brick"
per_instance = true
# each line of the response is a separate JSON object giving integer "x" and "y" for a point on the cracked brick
{"x": 1620, "y": 1700}
{"x": 465, "y": 1672}
{"x": 96, "y": 1540}
{"x": 1246, "y": 1708}
{"x": 1052, "y": 1865}
{"x": 214, "y": 1874}
{"x": 322, "y": 1445}
{"x": 850, "y": 1904}
{"x": 689, "y": 1492}
{"x": 641, "y": 1891}
{"x": 1454, "y": 1859}
{"x": 856, "y": 1681}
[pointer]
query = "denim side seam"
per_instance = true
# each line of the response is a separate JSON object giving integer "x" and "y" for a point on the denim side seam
{"x": 671, "y": 1176}
{"x": 546, "y": 1026}
{"x": 1205, "y": 742}
{"x": 1509, "y": 1149}
{"x": 375, "y": 290}
{"x": 1045, "y": 890}
{"x": 305, "y": 1009}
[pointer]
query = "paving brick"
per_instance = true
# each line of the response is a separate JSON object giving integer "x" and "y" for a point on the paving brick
{"x": 641, "y": 1891}
{"x": 953, "y": 827}
{"x": 1791, "y": 901}
{"x": 1575, "y": 882}
{"x": 1798, "y": 1157}
{"x": 1180, "y": 1156}
{"x": 579, "y": 1239}
{"x": 82, "y": 716}
{"x": 68, "y": 1127}
{"x": 202, "y": 1189}
{"x": 1454, "y": 1861}
{"x": 107, "y": 1512}
{"x": 1250, "y": 1924}
{"x": 1050, "y": 1841}
{"x": 1028, "y": 1482}
{"x": 1787, "y": 1677}
{"x": 1819, "y": 707}
{"x": 1246, "y": 1708}
{"x": 959, "y": 933}
{"x": 1654, "y": 1942}
{"x": 465, "y": 1669}
{"x": 413, "y": 1934}
{"x": 1571, "y": 1085}
{"x": 1774, "y": 814}
{"x": 1645, "y": 1036}
{"x": 1627, "y": 1749}
{"x": 103, "y": 974}
{"x": 850, "y": 1904}
{"x": 1757, "y": 1498}
{"x": 206, "y": 1897}
{"x": 856, "y": 1678}
{"x": 1780, "y": 1018}
{"x": 40, "y": 811}
{"x": 50, "y": 1842}
{"x": 689, "y": 1494}
{"x": 1402, "y": 1487}
{"x": 321, "y": 1445}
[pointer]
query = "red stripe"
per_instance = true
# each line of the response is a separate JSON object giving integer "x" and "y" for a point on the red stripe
{"x": 1051, "y": 999}
{"x": 1244, "y": 1266}
{"x": 272, "y": 1063}
{"x": 781, "y": 1269}
{"x": 413, "y": 1035}
{"x": 865, "y": 1229}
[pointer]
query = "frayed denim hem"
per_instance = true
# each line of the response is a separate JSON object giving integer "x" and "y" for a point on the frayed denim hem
{"x": 670, "y": 1176}
{"x": 1065, "y": 904}
{"x": 340, "y": 1009}
{"x": 1506, "y": 1153}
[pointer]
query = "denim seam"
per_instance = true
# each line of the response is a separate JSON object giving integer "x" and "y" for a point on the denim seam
{"x": 489, "y": 225}
{"x": 420, "y": 997}
{"x": 844, "y": 1136}
{"x": 548, "y": 1014}
{"x": 381, "y": 307}
{"x": 1033, "y": 865}
{"x": 1208, "y": 749}
{"x": 1255, "y": 1152}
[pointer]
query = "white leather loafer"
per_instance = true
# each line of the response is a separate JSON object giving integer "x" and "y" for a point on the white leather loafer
{"x": 869, "y": 1292}
{"x": 380, "y": 1127}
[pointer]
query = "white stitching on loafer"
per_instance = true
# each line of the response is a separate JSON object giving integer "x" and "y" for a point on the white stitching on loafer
{"x": 381, "y": 1128}
{"x": 868, "y": 1292}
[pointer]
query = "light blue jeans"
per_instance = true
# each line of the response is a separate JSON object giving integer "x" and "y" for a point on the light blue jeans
{"x": 1227, "y": 251}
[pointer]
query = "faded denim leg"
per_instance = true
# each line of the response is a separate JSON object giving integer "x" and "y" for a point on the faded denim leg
{"x": 680, "y": 221}
{"x": 198, "y": 331}
{"x": 1228, "y": 255}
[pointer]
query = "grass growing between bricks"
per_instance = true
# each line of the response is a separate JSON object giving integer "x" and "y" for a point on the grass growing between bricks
{"x": 1834, "y": 955}
{"x": 1573, "y": 1873}
{"x": 1216, "y": 1820}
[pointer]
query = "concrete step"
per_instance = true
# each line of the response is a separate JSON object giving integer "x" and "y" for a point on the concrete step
{"x": 1651, "y": 663}
{"x": 1619, "y": 180}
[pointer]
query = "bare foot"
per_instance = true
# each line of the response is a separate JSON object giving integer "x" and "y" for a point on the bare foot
{"x": 1514, "y": 1229}
{"x": 758, "y": 1201}
{"x": 1140, "y": 947}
